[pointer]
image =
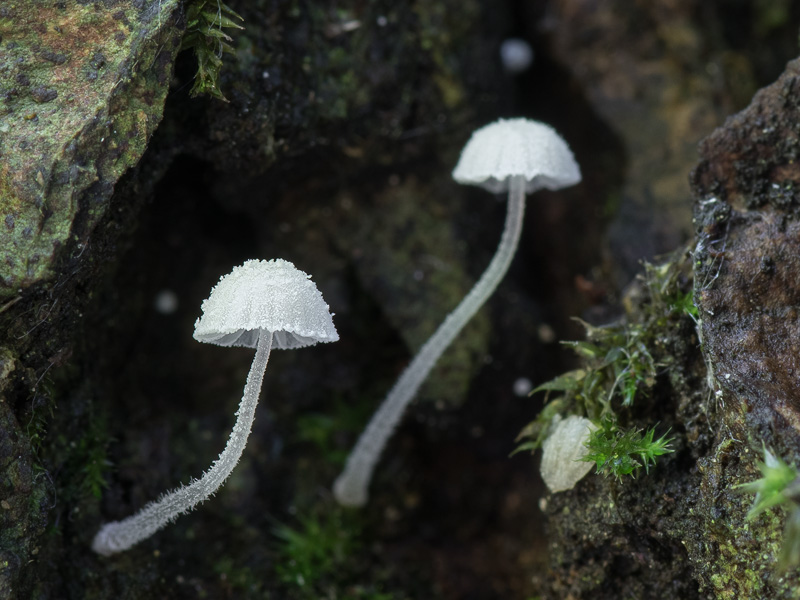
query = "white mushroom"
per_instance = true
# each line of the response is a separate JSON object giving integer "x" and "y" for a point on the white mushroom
{"x": 260, "y": 304}
{"x": 562, "y": 452}
{"x": 518, "y": 156}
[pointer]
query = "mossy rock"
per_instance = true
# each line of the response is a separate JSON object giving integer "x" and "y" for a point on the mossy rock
{"x": 82, "y": 88}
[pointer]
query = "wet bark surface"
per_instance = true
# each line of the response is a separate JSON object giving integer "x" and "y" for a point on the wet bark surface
{"x": 746, "y": 212}
{"x": 682, "y": 531}
{"x": 334, "y": 152}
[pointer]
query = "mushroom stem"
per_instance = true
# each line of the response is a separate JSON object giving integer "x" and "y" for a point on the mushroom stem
{"x": 350, "y": 489}
{"x": 118, "y": 536}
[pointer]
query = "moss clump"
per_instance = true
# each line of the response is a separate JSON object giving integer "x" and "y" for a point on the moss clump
{"x": 735, "y": 557}
{"x": 321, "y": 430}
{"x": 684, "y": 531}
{"x": 611, "y": 539}
{"x": 322, "y": 556}
{"x": 316, "y": 547}
{"x": 618, "y": 368}
{"x": 619, "y": 453}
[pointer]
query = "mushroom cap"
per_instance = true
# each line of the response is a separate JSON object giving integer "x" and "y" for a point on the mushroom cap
{"x": 561, "y": 466}
{"x": 509, "y": 147}
{"x": 265, "y": 294}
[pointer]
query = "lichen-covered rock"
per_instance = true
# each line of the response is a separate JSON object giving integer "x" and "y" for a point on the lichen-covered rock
{"x": 82, "y": 88}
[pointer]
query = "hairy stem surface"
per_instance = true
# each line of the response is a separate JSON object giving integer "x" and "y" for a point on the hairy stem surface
{"x": 350, "y": 489}
{"x": 118, "y": 536}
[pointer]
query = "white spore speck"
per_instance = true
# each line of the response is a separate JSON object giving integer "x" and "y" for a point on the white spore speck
{"x": 522, "y": 387}
{"x": 516, "y": 55}
{"x": 166, "y": 302}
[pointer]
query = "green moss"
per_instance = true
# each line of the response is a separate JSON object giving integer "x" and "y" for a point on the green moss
{"x": 625, "y": 530}
{"x": 87, "y": 460}
{"x": 316, "y": 547}
{"x": 738, "y": 556}
{"x": 321, "y": 430}
{"x": 619, "y": 368}
{"x": 773, "y": 488}
{"x": 322, "y": 556}
{"x": 205, "y": 22}
{"x": 779, "y": 485}
{"x": 619, "y": 453}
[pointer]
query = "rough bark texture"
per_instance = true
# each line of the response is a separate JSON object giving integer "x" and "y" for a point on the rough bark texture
{"x": 681, "y": 532}
{"x": 334, "y": 152}
{"x": 747, "y": 275}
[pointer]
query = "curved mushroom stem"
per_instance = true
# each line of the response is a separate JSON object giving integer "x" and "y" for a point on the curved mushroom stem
{"x": 350, "y": 489}
{"x": 121, "y": 535}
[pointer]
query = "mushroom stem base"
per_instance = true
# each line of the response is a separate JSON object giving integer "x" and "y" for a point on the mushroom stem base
{"x": 121, "y": 535}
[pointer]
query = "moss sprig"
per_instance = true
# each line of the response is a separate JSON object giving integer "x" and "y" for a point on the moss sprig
{"x": 618, "y": 453}
{"x": 205, "y": 21}
{"x": 779, "y": 485}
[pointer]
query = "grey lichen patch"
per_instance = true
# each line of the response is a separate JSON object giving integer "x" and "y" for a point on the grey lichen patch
{"x": 82, "y": 88}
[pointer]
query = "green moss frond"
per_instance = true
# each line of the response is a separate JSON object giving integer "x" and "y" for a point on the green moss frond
{"x": 774, "y": 487}
{"x": 619, "y": 367}
{"x": 206, "y": 20}
{"x": 617, "y": 452}
{"x": 779, "y": 485}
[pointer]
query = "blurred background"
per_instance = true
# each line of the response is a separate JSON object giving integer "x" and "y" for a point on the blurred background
{"x": 333, "y": 150}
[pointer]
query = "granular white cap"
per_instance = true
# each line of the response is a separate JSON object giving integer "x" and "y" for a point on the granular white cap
{"x": 512, "y": 147}
{"x": 265, "y": 294}
{"x": 561, "y": 466}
